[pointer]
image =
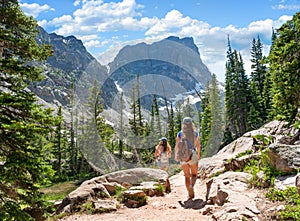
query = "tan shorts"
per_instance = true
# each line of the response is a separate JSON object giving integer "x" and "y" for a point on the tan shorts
{"x": 192, "y": 161}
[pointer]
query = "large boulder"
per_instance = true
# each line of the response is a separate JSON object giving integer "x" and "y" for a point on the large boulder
{"x": 99, "y": 190}
{"x": 136, "y": 176}
{"x": 285, "y": 158}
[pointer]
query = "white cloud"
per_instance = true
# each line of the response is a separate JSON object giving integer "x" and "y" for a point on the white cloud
{"x": 94, "y": 20}
{"x": 76, "y": 3}
{"x": 97, "y": 16}
{"x": 212, "y": 41}
{"x": 286, "y": 7}
{"x": 63, "y": 20}
{"x": 35, "y": 9}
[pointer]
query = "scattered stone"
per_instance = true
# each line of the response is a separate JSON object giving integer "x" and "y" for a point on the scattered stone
{"x": 281, "y": 182}
{"x": 107, "y": 205}
{"x": 134, "y": 198}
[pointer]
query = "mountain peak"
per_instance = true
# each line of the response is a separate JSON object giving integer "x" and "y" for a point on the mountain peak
{"x": 186, "y": 41}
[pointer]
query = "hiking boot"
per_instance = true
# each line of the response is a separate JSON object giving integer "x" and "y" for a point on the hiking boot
{"x": 191, "y": 192}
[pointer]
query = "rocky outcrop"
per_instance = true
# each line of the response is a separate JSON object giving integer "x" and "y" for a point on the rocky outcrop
{"x": 135, "y": 185}
{"x": 285, "y": 158}
{"x": 226, "y": 158}
{"x": 229, "y": 190}
{"x": 228, "y": 195}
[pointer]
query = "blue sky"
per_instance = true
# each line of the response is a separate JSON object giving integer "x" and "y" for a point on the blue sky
{"x": 106, "y": 26}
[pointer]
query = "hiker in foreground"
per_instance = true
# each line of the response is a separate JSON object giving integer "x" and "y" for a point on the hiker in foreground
{"x": 163, "y": 153}
{"x": 187, "y": 152}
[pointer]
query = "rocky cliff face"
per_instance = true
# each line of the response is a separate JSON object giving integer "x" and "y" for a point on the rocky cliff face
{"x": 70, "y": 63}
{"x": 166, "y": 68}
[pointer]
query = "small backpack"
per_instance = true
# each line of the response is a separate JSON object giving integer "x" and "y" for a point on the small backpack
{"x": 184, "y": 150}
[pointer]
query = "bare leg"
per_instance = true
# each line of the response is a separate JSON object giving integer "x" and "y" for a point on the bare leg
{"x": 187, "y": 175}
{"x": 188, "y": 181}
{"x": 194, "y": 173}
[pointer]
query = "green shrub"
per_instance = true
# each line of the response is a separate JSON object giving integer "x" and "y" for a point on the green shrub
{"x": 247, "y": 152}
{"x": 290, "y": 199}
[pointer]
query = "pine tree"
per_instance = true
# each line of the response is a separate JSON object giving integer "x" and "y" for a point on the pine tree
{"x": 157, "y": 122}
{"x": 236, "y": 94}
{"x": 205, "y": 117}
{"x": 120, "y": 130}
{"x": 59, "y": 145}
{"x": 72, "y": 145}
{"x": 284, "y": 63}
{"x": 188, "y": 110}
{"x": 133, "y": 121}
{"x": 242, "y": 95}
{"x": 178, "y": 117}
{"x": 139, "y": 107}
{"x": 98, "y": 134}
{"x": 171, "y": 128}
{"x": 258, "y": 113}
{"x": 216, "y": 119}
{"x": 24, "y": 123}
{"x": 230, "y": 104}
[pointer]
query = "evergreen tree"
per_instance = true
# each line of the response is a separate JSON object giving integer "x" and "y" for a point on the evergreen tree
{"x": 139, "y": 108}
{"x": 178, "y": 117}
{"x": 133, "y": 121}
{"x": 205, "y": 118}
{"x": 98, "y": 134}
{"x": 230, "y": 104}
{"x": 120, "y": 130}
{"x": 216, "y": 119}
{"x": 236, "y": 94}
{"x": 188, "y": 110}
{"x": 171, "y": 126}
{"x": 24, "y": 123}
{"x": 284, "y": 63}
{"x": 72, "y": 146}
{"x": 59, "y": 145}
{"x": 242, "y": 95}
{"x": 258, "y": 113}
{"x": 157, "y": 123}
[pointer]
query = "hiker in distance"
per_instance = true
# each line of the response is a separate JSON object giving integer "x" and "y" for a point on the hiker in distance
{"x": 163, "y": 153}
{"x": 187, "y": 152}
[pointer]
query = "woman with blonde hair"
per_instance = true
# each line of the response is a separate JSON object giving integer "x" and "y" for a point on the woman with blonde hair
{"x": 189, "y": 167}
{"x": 163, "y": 153}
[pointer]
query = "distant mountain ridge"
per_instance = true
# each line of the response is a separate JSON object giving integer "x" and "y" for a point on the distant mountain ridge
{"x": 169, "y": 64}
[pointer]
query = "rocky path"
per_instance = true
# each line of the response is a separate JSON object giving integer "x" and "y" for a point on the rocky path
{"x": 171, "y": 207}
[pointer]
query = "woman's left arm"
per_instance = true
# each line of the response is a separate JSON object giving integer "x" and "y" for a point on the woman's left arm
{"x": 198, "y": 146}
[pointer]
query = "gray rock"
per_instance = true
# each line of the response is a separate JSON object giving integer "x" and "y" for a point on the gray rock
{"x": 284, "y": 157}
{"x": 100, "y": 189}
{"x": 229, "y": 191}
{"x": 281, "y": 182}
{"x": 136, "y": 176}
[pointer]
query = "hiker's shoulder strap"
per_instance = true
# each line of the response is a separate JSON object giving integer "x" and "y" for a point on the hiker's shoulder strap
{"x": 179, "y": 134}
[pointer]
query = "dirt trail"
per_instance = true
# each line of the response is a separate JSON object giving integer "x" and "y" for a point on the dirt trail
{"x": 171, "y": 207}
